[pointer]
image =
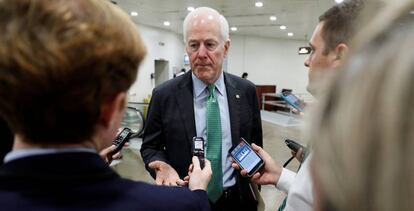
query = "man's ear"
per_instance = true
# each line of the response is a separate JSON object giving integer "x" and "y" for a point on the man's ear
{"x": 341, "y": 51}
{"x": 226, "y": 48}
{"x": 111, "y": 108}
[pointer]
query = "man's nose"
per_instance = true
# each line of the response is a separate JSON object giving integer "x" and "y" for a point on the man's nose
{"x": 202, "y": 51}
{"x": 307, "y": 61}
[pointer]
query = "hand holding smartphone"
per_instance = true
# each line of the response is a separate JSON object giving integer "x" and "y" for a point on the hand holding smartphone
{"x": 293, "y": 101}
{"x": 246, "y": 157}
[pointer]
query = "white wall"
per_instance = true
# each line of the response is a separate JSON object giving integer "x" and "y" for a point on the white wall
{"x": 172, "y": 51}
{"x": 268, "y": 61}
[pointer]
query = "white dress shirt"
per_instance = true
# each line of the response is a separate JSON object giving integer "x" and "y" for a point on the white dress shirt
{"x": 298, "y": 186}
{"x": 200, "y": 111}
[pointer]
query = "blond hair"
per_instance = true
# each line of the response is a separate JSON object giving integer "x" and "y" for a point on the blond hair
{"x": 59, "y": 61}
{"x": 363, "y": 129}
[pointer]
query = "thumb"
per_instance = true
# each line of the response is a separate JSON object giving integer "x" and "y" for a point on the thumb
{"x": 256, "y": 148}
{"x": 154, "y": 165}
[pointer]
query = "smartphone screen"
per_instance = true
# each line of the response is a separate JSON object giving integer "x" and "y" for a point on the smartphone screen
{"x": 246, "y": 157}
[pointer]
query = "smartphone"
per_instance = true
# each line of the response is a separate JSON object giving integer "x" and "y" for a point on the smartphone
{"x": 121, "y": 139}
{"x": 292, "y": 100}
{"x": 293, "y": 145}
{"x": 198, "y": 149}
{"x": 246, "y": 157}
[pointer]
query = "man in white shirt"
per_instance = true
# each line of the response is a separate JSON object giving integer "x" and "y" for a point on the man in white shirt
{"x": 329, "y": 45}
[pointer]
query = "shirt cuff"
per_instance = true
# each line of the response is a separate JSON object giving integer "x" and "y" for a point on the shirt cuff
{"x": 285, "y": 180}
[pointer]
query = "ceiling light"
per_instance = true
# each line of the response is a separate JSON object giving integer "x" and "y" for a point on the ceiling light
{"x": 273, "y": 18}
{"x": 290, "y": 34}
{"x": 190, "y": 9}
{"x": 339, "y": 1}
{"x": 258, "y": 4}
{"x": 233, "y": 28}
{"x": 133, "y": 13}
{"x": 412, "y": 12}
{"x": 167, "y": 23}
{"x": 283, "y": 27}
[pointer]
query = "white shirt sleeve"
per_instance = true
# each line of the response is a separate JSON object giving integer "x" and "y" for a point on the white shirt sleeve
{"x": 287, "y": 177}
{"x": 300, "y": 194}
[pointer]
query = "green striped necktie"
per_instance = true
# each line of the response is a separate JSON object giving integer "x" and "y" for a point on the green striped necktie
{"x": 215, "y": 187}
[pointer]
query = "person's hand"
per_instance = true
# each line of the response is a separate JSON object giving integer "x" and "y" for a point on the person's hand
{"x": 299, "y": 155}
{"x": 165, "y": 174}
{"x": 108, "y": 156}
{"x": 270, "y": 172}
{"x": 199, "y": 178}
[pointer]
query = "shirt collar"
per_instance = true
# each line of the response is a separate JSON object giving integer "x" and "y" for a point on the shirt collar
{"x": 200, "y": 86}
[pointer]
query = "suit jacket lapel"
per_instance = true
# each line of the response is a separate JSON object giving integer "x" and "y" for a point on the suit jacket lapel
{"x": 185, "y": 101}
{"x": 233, "y": 98}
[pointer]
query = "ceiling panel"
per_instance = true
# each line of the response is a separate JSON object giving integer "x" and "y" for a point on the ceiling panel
{"x": 300, "y": 16}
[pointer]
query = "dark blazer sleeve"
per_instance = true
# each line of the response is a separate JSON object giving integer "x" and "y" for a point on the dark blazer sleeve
{"x": 152, "y": 148}
{"x": 257, "y": 133}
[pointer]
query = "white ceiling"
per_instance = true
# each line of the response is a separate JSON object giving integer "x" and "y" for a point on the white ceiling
{"x": 300, "y": 16}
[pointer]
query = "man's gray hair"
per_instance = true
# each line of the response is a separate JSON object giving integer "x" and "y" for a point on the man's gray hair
{"x": 224, "y": 25}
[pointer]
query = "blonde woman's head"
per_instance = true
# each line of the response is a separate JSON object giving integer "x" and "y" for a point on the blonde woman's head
{"x": 363, "y": 133}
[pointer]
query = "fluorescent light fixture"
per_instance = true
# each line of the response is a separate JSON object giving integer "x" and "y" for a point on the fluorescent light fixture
{"x": 290, "y": 34}
{"x": 339, "y": 1}
{"x": 273, "y": 18}
{"x": 190, "y": 9}
{"x": 283, "y": 27}
{"x": 258, "y": 4}
{"x": 167, "y": 23}
{"x": 233, "y": 28}
{"x": 133, "y": 13}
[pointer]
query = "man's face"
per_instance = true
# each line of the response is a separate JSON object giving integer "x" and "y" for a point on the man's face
{"x": 206, "y": 48}
{"x": 318, "y": 62}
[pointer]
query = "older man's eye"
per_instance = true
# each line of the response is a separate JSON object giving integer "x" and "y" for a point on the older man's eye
{"x": 193, "y": 46}
{"x": 211, "y": 45}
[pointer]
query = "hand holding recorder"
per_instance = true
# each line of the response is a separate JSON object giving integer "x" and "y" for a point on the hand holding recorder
{"x": 298, "y": 150}
{"x": 113, "y": 152}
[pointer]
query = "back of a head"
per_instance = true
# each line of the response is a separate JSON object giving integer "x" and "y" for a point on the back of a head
{"x": 59, "y": 61}
{"x": 363, "y": 132}
{"x": 339, "y": 23}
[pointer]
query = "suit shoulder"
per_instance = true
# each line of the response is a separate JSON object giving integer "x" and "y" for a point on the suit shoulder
{"x": 240, "y": 82}
{"x": 172, "y": 84}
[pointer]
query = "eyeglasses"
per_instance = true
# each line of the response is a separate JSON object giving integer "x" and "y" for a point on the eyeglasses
{"x": 304, "y": 50}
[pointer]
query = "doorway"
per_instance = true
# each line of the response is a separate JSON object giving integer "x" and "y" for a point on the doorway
{"x": 161, "y": 71}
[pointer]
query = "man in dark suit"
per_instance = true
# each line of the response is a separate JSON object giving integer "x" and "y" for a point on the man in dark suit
{"x": 65, "y": 68}
{"x": 192, "y": 104}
